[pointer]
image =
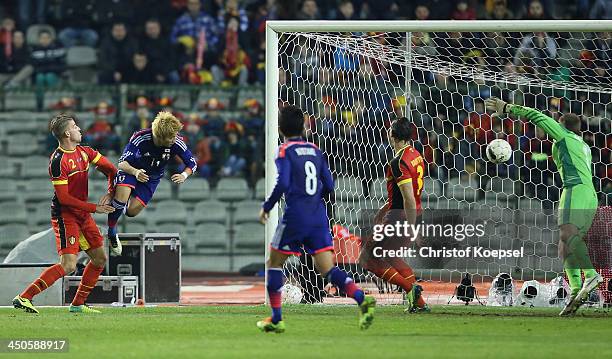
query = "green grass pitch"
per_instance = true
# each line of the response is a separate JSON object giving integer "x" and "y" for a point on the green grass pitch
{"x": 316, "y": 331}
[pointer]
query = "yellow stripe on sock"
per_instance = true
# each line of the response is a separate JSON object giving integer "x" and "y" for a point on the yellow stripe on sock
{"x": 45, "y": 283}
{"x": 394, "y": 274}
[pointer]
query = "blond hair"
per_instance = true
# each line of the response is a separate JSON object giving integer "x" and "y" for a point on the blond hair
{"x": 166, "y": 126}
{"x": 59, "y": 123}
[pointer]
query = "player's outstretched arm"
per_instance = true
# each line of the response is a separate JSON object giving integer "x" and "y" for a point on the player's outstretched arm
{"x": 548, "y": 124}
{"x": 68, "y": 200}
{"x": 188, "y": 160}
{"x": 141, "y": 175}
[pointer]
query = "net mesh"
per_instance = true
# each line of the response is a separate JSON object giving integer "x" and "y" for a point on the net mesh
{"x": 351, "y": 85}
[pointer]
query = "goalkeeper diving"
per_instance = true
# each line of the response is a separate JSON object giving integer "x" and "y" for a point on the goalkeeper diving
{"x": 578, "y": 203}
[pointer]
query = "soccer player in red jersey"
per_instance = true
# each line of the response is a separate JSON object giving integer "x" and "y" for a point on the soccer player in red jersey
{"x": 404, "y": 174}
{"x": 71, "y": 219}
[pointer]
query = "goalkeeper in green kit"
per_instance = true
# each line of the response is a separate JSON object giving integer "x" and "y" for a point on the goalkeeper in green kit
{"x": 578, "y": 202}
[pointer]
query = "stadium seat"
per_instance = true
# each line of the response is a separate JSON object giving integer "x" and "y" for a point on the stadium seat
{"x": 232, "y": 189}
{"x": 210, "y": 237}
{"x": 169, "y": 211}
{"x": 12, "y": 234}
{"x": 34, "y": 30}
{"x": 91, "y": 99}
{"x": 194, "y": 190}
{"x": 224, "y": 97}
{"x": 23, "y": 127}
{"x": 260, "y": 189}
{"x": 21, "y": 145}
{"x": 19, "y": 101}
{"x": 249, "y": 237}
{"x": 9, "y": 190}
{"x": 210, "y": 211}
{"x": 163, "y": 191}
{"x": 78, "y": 56}
{"x": 35, "y": 167}
{"x": 41, "y": 214}
{"x": 173, "y": 228}
{"x": 181, "y": 99}
{"x": 247, "y": 212}
{"x": 133, "y": 227}
{"x": 51, "y": 98}
{"x": 348, "y": 188}
{"x": 11, "y": 213}
{"x": 38, "y": 190}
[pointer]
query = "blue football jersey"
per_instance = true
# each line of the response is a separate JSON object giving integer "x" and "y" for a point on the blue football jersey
{"x": 142, "y": 153}
{"x": 304, "y": 178}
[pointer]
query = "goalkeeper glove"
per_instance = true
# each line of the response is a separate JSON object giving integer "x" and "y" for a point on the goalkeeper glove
{"x": 498, "y": 106}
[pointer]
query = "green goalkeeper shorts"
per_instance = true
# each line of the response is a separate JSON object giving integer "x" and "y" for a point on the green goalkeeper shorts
{"x": 577, "y": 206}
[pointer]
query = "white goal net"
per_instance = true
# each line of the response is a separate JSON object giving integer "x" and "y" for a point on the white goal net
{"x": 351, "y": 82}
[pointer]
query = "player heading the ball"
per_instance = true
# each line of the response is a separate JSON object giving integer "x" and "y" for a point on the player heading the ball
{"x": 304, "y": 179}
{"x": 142, "y": 166}
{"x": 74, "y": 228}
{"x": 578, "y": 203}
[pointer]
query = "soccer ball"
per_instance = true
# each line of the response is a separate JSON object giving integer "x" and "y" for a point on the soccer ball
{"x": 291, "y": 294}
{"x": 499, "y": 151}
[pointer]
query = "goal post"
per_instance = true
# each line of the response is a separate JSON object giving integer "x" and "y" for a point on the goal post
{"x": 352, "y": 77}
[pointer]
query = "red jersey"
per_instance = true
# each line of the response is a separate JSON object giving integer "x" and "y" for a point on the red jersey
{"x": 71, "y": 168}
{"x": 406, "y": 167}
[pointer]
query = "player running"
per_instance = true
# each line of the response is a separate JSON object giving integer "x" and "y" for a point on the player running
{"x": 578, "y": 203}
{"x": 71, "y": 220}
{"x": 404, "y": 174}
{"x": 141, "y": 168}
{"x": 304, "y": 178}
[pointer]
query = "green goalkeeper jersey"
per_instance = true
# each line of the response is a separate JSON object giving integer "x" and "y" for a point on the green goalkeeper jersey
{"x": 570, "y": 153}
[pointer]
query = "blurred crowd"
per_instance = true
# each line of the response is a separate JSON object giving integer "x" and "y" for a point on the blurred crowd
{"x": 211, "y": 41}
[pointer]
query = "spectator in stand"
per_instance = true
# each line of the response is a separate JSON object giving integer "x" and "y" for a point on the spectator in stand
{"x": 6, "y": 33}
{"x": 31, "y": 12}
{"x": 497, "y": 51}
{"x": 438, "y": 9}
{"x": 235, "y": 150}
{"x": 141, "y": 118}
{"x": 601, "y": 10}
{"x": 192, "y": 128}
{"x": 309, "y": 11}
{"x": 235, "y": 63}
{"x": 601, "y": 46}
{"x": 197, "y": 25}
{"x": 101, "y": 135}
{"x": 463, "y": 11}
{"x": 260, "y": 63}
{"x": 111, "y": 12}
{"x": 48, "y": 60}
{"x": 77, "y": 14}
{"x": 160, "y": 52}
{"x": 140, "y": 71}
{"x": 500, "y": 11}
{"x": 15, "y": 61}
{"x": 536, "y": 11}
{"x": 346, "y": 11}
{"x": 230, "y": 11}
{"x": 382, "y": 9}
{"x": 203, "y": 155}
{"x": 535, "y": 49}
{"x": 213, "y": 123}
{"x": 116, "y": 53}
{"x": 421, "y": 12}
